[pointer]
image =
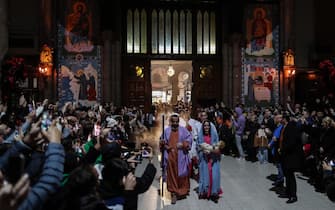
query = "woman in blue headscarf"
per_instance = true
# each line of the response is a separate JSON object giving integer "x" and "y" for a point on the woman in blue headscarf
{"x": 209, "y": 163}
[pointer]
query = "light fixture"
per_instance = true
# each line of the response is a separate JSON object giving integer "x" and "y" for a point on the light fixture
{"x": 43, "y": 69}
{"x": 46, "y": 60}
{"x": 139, "y": 71}
{"x": 170, "y": 72}
{"x": 289, "y": 58}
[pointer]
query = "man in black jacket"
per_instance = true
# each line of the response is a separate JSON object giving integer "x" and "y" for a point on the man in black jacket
{"x": 290, "y": 148}
{"x": 111, "y": 151}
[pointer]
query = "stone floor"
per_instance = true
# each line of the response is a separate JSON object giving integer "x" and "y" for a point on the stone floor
{"x": 245, "y": 187}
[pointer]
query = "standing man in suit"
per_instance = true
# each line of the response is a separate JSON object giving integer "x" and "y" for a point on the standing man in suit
{"x": 291, "y": 151}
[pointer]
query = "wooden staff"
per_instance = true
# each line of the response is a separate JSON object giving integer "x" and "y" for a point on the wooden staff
{"x": 162, "y": 157}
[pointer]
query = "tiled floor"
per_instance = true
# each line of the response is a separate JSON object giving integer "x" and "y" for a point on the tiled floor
{"x": 245, "y": 187}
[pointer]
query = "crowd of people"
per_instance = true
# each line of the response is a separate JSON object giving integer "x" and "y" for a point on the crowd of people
{"x": 295, "y": 138}
{"x": 84, "y": 157}
{"x": 67, "y": 157}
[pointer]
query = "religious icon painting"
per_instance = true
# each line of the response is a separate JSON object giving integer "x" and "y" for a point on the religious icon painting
{"x": 260, "y": 22}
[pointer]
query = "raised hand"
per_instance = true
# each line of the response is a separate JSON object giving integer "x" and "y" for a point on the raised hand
{"x": 30, "y": 138}
{"x": 12, "y": 196}
{"x": 53, "y": 135}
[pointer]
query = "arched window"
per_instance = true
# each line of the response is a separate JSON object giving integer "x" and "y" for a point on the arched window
{"x": 182, "y": 33}
{"x": 143, "y": 31}
{"x": 171, "y": 32}
{"x": 199, "y": 33}
{"x": 213, "y": 34}
{"x": 130, "y": 37}
{"x": 168, "y": 32}
{"x": 189, "y": 32}
{"x": 136, "y": 31}
{"x": 175, "y": 33}
{"x": 161, "y": 32}
{"x": 206, "y": 32}
{"x": 154, "y": 32}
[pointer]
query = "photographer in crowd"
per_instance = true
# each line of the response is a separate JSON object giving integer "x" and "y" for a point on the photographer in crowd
{"x": 329, "y": 178}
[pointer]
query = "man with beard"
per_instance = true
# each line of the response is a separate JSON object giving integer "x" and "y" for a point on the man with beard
{"x": 176, "y": 141}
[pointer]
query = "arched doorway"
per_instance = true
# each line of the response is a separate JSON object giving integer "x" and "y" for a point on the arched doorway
{"x": 171, "y": 81}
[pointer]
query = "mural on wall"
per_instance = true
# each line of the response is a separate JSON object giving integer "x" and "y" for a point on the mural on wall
{"x": 260, "y": 57}
{"x": 259, "y": 83}
{"x": 259, "y": 31}
{"x": 79, "y": 69}
{"x": 79, "y": 80}
{"x": 78, "y": 28}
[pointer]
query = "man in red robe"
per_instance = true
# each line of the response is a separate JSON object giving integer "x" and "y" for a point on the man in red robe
{"x": 176, "y": 142}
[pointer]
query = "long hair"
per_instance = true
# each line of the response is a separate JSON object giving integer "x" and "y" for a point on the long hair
{"x": 203, "y": 127}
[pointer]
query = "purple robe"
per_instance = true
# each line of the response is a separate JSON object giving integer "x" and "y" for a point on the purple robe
{"x": 183, "y": 157}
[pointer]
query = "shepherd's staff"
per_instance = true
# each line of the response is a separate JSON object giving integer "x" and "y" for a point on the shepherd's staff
{"x": 162, "y": 156}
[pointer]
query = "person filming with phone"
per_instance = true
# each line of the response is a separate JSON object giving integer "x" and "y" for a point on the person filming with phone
{"x": 329, "y": 178}
{"x": 16, "y": 192}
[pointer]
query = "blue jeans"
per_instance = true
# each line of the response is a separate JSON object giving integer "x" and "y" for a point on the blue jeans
{"x": 263, "y": 155}
{"x": 280, "y": 176}
{"x": 238, "y": 140}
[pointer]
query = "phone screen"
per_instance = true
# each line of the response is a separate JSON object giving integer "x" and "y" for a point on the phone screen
{"x": 46, "y": 121}
{"x": 97, "y": 130}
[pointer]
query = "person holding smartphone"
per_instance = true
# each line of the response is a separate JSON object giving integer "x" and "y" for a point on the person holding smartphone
{"x": 52, "y": 174}
{"x": 329, "y": 178}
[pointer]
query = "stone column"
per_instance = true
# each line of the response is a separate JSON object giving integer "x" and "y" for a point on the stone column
{"x": 3, "y": 34}
{"x": 107, "y": 68}
{"x": 47, "y": 35}
{"x": 287, "y": 41}
{"x": 236, "y": 68}
{"x": 116, "y": 73}
{"x": 227, "y": 88}
{"x": 111, "y": 74}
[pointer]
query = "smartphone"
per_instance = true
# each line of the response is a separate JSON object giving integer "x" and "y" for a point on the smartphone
{"x": 332, "y": 163}
{"x": 97, "y": 130}
{"x": 15, "y": 168}
{"x": 45, "y": 121}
